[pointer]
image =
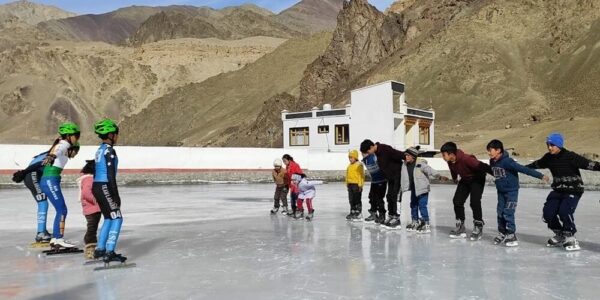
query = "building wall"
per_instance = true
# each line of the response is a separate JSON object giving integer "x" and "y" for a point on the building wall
{"x": 372, "y": 115}
{"x": 317, "y": 141}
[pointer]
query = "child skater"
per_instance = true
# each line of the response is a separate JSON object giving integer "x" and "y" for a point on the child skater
{"x": 91, "y": 209}
{"x": 415, "y": 178}
{"x": 506, "y": 172}
{"x": 281, "y": 190}
{"x": 567, "y": 189}
{"x": 306, "y": 192}
{"x": 355, "y": 179}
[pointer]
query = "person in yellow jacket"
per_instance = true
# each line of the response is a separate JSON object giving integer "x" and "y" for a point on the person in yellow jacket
{"x": 355, "y": 179}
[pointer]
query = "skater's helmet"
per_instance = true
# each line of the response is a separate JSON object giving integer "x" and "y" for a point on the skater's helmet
{"x": 68, "y": 128}
{"x": 277, "y": 162}
{"x": 106, "y": 126}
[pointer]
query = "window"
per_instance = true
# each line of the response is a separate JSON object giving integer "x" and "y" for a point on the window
{"x": 323, "y": 129}
{"x": 342, "y": 134}
{"x": 299, "y": 136}
{"x": 424, "y": 135}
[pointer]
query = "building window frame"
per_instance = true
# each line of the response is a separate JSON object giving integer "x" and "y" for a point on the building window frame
{"x": 323, "y": 129}
{"x": 342, "y": 134}
{"x": 424, "y": 134}
{"x": 299, "y": 136}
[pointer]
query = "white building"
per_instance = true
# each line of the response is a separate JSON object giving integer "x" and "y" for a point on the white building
{"x": 378, "y": 112}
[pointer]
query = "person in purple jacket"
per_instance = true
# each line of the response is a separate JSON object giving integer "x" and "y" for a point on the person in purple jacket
{"x": 472, "y": 180}
{"x": 506, "y": 172}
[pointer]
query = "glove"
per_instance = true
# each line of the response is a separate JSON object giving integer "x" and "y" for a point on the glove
{"x": 18, "y": 176}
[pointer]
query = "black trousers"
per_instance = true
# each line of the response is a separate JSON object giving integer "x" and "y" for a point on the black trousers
{"x": 392, "y": 195}
{"x": 376, "y": 195}
{"x": 354, "y": 197}
{"x": 108, "y": 199}
{"x": 473, "y": 188}
{"x": 92, "y": 228}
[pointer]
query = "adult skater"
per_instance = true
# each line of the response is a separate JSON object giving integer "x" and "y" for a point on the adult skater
{"x": 106, "y": 193}
{"x": 292, "y": 168}
{"x": 567, "y": 189}
{"x": 377, "y": 189}
{"x": 63, "y": 148}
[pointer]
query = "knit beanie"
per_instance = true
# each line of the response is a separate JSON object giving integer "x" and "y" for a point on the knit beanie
{"x": 353, "y": 154}
{"x": 556, "y": 139}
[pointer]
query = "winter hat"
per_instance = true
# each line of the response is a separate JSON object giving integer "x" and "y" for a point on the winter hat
{"x": 413, "y": 151}
{"x": 277, "y": 162}
{"x": 353, "y": 154}
{"x": 556, "y": 139}
{"x": 296, "y": 177}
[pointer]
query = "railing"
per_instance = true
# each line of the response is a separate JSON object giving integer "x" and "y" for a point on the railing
{"x": 420, "y": 113}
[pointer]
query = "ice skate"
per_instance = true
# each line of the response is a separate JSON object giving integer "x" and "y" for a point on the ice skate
{"x": 511, "y": 240}
{"x": 274, "y": 210}
{"x": 113, "y": 257}
{"x": 412, "y": 226}
{"x": 290, "y": 213}
{"x": 371, "y": 218}
{"x": 571, "y": 243}
{"x": 393, "y": 223}
{"x": 477, "y": 231}
{"x": 299, "y": 214}
{"x": 557, "y": 240}
{"x": 99, "y": 253}
{"x": 350, "y": 216}
{"x": 284, "y": 210}
{"x": 499, "y": 239}
{"x": 459, "y": 231}
{"x": 60, "y": 243}
{"x": 89, "y": 251}
{"x": 358, "y": 217}
{"x": 380, "y": 219}
{"x": 310, "y": 215}
{"x": 43, "y": 237}
{"x": 423, "y": 227}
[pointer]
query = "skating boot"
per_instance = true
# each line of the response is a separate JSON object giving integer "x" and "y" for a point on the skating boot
{"x": 60, "y": 243}
{"x": 371, "y": 218}
{"x": 274, "y": 210}
{"x": 99, "y": 253}
{"x": 310, "y": 215}
{"x": 424, "y": 227}
{"x": 477, "y": 230}
{"x": 412, "y": 226}
{"x": 291, "y": 212}
{"x": 89, "y": 251}
{"x": 571, "y": 243}
{"x": 350, "y": 216}
{"x": 557, "y": 240}
{"x": 299, "y": 214}
{"x": 499, "y": 239}
{"x": 459, "y": 231}
{"x": 358, "y": 217}
{"x": 43, "y": 237}
{"x": 113, "y": 257}
{"x": 511, "y": 240}
{"x": 393, "y": 222}
{"x": 284, "y": 210}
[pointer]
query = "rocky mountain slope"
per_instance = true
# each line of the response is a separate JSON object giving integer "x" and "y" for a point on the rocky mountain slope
{"x": 311, "y": 15}
{"x": 24, "y": 12}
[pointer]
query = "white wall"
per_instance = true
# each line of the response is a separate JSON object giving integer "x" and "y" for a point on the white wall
{"x": 317, "y": 141}
{"x": 14, "y": 157}
{"x": 372, "y": 114}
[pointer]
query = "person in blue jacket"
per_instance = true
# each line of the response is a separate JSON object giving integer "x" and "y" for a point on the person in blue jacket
{"x": 106, "y": 193}
{"x": 31, "y": 175}
{"x": 506, "y": 172}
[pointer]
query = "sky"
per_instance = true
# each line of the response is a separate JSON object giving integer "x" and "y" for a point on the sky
{"x": 97, "y": 7}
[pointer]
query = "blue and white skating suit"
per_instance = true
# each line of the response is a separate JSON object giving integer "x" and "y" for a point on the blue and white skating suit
{"x": 50, "y": 185}
{"x": 32, "y": 181}
{"x": 106, "y": 193}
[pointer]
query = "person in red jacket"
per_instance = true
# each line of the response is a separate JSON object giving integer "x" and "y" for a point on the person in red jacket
{"x": 292, "y": 168}
{"x": 91, "y": 209}
{"x": 472, "y": 181}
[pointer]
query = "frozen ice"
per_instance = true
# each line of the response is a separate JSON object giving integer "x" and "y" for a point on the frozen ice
{"x": 218, "y": 241}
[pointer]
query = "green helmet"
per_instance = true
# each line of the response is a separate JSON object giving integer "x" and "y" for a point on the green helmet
{"x": 68, "y": 128}
{"x": 106, "y": 126}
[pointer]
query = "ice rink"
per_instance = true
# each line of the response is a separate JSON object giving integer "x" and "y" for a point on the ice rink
{"x": 218, "y": 241}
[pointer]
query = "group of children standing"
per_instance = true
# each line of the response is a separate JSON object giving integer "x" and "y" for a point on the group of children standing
{"x": 394, "y": 172}
{"x": 99, "y": 195}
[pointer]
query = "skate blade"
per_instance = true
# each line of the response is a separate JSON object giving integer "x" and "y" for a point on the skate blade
{"x": 573, "y": 248}
{"x": 475, "y": 239}
{"x": 511, "y": 244}
{"x": 63, "y": 251}
{"x": 93, "y": 262}
{"x": 115, "y": 266}
{"x": 39, "y": 245}
{"x": 462, "y": 236}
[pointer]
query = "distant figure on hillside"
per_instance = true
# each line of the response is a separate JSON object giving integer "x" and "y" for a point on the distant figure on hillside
{"x": 567, "y": 186}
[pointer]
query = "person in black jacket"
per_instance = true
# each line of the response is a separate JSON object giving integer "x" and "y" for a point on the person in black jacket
{"x": 567, "y": 189}
{"x": 390, "y": 164}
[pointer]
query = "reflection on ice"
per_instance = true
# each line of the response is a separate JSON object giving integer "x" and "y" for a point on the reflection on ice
{"x": 220, "y": 242}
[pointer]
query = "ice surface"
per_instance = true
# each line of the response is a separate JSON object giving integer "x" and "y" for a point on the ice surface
{"x": 218, "y": 241}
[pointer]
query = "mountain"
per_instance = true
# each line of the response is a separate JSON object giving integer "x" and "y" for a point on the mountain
{"x": 210, "y": 112}
{"x": 311, "y": 15}
{"x": 25, "y": 12}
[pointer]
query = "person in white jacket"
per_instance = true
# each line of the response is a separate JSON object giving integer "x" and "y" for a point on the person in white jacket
{"x": 306, "y": 192}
